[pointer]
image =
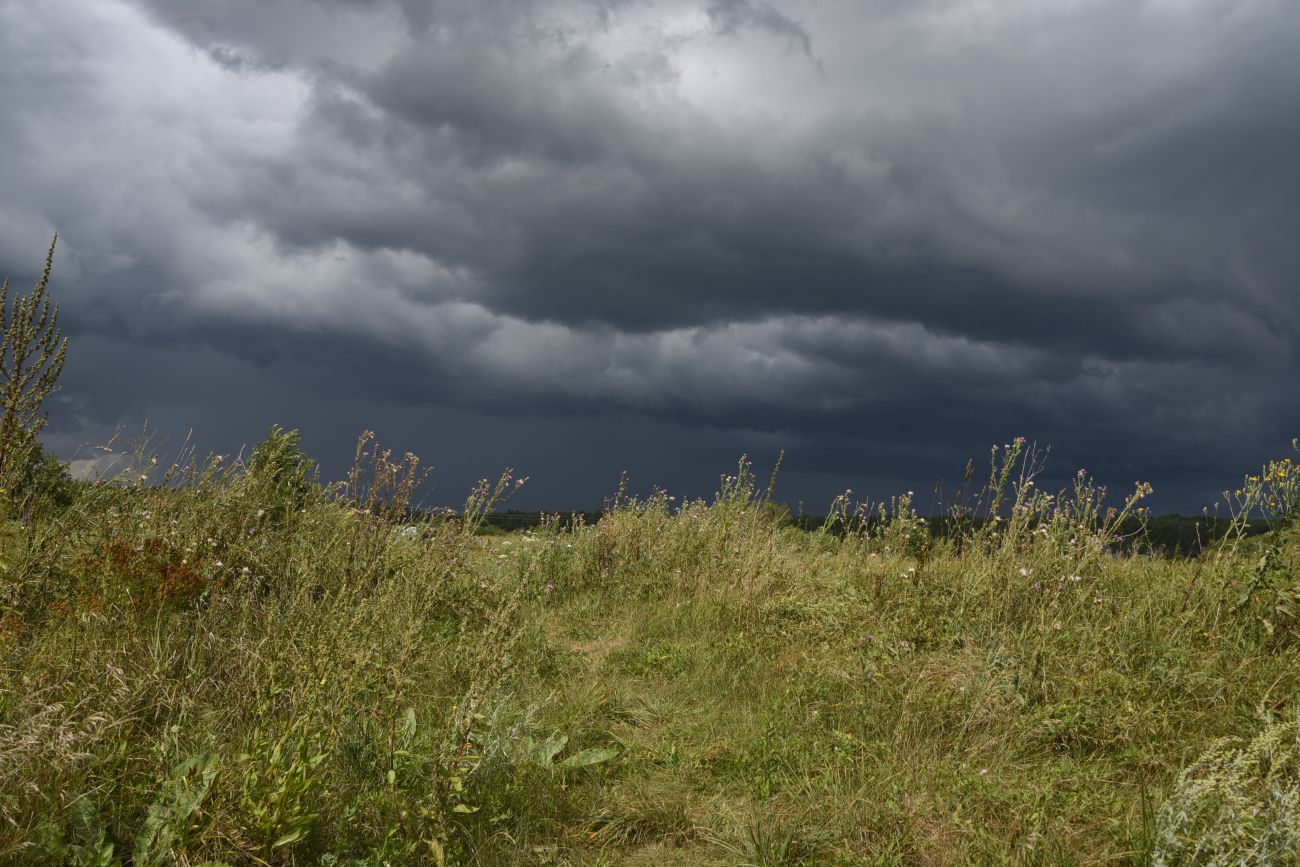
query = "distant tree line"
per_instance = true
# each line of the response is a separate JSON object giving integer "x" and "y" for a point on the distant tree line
{"x": 1168, "y": 535}
{"x": 1171, "y": 535}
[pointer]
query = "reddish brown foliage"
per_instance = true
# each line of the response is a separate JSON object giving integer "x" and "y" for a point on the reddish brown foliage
{"x": 155, "y": 572}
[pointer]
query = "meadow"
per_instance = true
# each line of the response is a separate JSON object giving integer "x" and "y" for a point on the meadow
{"x": 228, "y": 661}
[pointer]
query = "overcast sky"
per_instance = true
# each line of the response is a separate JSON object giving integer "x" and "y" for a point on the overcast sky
{"x": 582, "y": 236}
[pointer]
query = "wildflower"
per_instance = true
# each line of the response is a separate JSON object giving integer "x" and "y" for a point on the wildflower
{"x": 1024, "y": 573}
{"x": 549, "y": 586}
{"x": 984, "y": 772}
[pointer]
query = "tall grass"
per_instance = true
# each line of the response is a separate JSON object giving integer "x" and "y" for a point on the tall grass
{"x": 232, "y": 662}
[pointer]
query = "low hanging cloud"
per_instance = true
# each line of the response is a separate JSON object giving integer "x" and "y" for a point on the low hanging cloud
{"x": 908, "y": 226}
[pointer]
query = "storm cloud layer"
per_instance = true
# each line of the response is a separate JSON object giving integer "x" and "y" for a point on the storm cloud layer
{"x": 583, "y": 235}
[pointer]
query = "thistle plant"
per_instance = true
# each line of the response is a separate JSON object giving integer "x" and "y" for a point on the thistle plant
{"x": 32, "y": 352}
{"x": 1272, "y": 494}
{"x": 1269, "y": 593}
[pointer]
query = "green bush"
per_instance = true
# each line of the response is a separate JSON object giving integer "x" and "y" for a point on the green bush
{"x": 1239, "y": 803}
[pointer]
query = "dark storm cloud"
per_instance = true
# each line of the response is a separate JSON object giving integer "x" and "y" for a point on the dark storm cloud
{"x": 730, "y": 17}
{"x": 900, "y": 230}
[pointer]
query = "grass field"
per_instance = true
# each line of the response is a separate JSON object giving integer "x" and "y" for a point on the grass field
{"x": 229, "y": 662}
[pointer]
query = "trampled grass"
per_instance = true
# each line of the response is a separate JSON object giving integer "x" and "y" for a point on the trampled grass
{"x": 232, "y": 663}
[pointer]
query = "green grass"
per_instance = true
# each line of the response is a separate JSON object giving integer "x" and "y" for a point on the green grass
{"x": 234, "y": 664}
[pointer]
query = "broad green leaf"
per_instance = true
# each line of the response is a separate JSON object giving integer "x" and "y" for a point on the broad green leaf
{"x": 593, "y": 756}
{"x": 170, "y": 814}
{"x": 550, "y": 748}
{"x": 292, "y": 837}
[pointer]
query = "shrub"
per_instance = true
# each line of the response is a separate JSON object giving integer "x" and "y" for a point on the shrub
{"x": 1239, "y": 803}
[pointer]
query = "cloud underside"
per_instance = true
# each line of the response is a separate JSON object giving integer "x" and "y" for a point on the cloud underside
{"x": 901, "y": 223}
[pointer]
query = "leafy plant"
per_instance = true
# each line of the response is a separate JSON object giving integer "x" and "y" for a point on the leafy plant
{"x": 173, "y": 816}
{"x": 91, "y": 845}
{"x": 279, "y": 475}
{"x": 544, "y": 753}
{"x": 280, "y": 788}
